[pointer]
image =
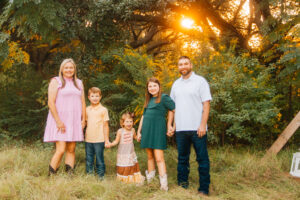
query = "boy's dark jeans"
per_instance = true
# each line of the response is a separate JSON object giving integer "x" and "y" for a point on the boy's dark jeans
{"x": 92, "y": 149}
{"x": 184, "y": 139}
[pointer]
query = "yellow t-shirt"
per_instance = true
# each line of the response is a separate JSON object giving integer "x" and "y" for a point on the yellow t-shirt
{"x": 96, "y": 116}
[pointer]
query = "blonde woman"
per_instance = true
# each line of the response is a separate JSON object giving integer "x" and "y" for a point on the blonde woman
{"x": 66, "y": 117}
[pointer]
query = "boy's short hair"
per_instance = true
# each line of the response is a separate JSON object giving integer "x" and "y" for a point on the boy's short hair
{"x": 94, "y": 90}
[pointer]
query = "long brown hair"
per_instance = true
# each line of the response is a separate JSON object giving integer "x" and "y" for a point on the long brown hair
{"x": 60, "y": 74}
{"x": 148, "y": 95}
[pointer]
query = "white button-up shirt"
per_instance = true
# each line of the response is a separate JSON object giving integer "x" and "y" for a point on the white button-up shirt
{"x": 188, "y": 95}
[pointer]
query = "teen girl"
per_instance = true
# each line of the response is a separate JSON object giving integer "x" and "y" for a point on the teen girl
{"x": 152, "y": 129}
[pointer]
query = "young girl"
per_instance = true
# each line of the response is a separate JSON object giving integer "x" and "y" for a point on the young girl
{"x": 128, "y": 169}
{"x": 152, "y": 129}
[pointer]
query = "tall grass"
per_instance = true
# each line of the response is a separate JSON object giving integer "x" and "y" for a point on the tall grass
{"x": 235, "y": 174}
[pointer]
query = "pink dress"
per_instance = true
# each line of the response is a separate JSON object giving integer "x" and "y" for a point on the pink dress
{"x": 69, "y": 108}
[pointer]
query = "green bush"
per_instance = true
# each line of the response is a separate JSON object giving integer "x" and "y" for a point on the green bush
{"x": 243, "y": 109}
{"x": 23, "y": 111}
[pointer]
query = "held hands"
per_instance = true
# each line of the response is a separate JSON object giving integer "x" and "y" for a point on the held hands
{"x": 61, "y": 126}
{"x": 108, "y": 144}
{"x": 201, "y": 131}
{"x": 170, "y": 131}
{"x": 139, "y": 136}
{"x": 83, "y": 124}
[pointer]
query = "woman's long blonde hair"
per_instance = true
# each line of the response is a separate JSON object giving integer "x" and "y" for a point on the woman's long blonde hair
{"x": 60, "y": 74}
{"x": 148, "y": 95}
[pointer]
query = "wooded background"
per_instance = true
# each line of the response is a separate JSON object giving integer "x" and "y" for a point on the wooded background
{"x": 248, "y": 50}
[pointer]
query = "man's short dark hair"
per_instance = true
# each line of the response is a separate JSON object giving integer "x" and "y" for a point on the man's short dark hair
{"x": 184, "y": 57}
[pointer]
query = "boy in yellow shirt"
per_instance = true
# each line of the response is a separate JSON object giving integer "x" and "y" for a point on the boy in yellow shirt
{"x": 96, "y": 136}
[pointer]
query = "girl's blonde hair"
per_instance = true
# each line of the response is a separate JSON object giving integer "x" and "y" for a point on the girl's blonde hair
{"x": 60, "y": 74}
{"x": 127, "y": 115}
{"x": 148, "y": 95}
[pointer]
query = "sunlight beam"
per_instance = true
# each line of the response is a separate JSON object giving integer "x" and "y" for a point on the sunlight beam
{"x": 187, "y": 23}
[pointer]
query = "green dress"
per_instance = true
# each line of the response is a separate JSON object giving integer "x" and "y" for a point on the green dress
{"x": 154, "y": 126}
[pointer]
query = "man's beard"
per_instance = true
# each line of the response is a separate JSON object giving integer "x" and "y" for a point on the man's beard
{"x": 188, "y": 71}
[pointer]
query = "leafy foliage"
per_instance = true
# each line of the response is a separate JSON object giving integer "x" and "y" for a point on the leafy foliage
{"x": 123, "y": 80}
{"x": 22, "y": 113}
{"x": 243, "y": 106}
{"x": 117, "y": 45}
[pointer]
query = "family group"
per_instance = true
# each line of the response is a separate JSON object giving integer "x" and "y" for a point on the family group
{"x": 187, "y": 111}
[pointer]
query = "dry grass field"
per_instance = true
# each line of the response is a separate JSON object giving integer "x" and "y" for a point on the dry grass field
{"x": 235, "y": 174}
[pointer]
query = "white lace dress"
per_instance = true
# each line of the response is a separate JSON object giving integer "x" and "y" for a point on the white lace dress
{"x": 127, "y": 165}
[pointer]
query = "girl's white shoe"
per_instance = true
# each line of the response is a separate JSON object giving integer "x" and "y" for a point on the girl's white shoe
{"x": 150, "y": 175}
{"x": 164, "y": 182}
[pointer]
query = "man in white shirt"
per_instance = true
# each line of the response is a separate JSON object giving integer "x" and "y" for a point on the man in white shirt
{"x": 192, "y": 97}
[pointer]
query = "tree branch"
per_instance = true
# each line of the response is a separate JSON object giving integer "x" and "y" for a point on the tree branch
{"x": 148, "y": 37}
{"x": 162, "y": 42}
{"x": 227, "y": 29}
{"x": 251, "y": 7}
{"x": 242, "y": 2}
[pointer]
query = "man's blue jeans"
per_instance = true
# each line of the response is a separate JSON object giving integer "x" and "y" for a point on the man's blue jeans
{"x": 184, "y": 139}
{"x": 92, "y": 149}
